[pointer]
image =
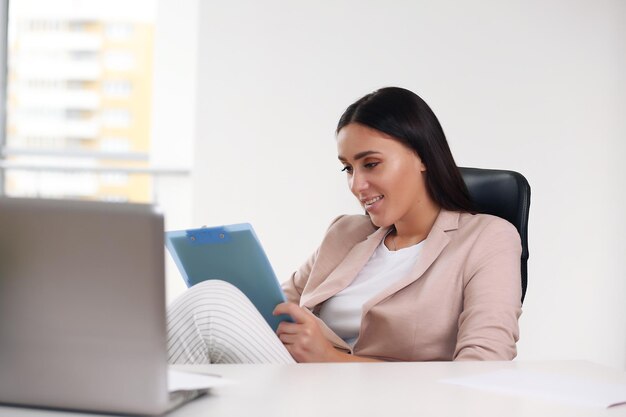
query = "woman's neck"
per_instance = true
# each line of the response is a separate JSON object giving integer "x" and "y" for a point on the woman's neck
{"x": 416, "y": 227}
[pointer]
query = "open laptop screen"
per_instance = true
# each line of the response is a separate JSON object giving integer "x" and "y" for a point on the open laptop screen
{"x": 82, "y": 306}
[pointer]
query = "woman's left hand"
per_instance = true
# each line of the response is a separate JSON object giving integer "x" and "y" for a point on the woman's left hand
{"x": 304, "y": 339}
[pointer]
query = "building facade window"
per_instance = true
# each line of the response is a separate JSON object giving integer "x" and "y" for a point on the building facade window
{"x": 78, "y": 99}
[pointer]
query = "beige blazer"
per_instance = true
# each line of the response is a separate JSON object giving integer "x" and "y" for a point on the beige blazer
{"x": 461, "y": 300}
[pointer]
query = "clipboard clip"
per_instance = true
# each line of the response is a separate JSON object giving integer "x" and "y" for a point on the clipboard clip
{"x": 204, "y": 236}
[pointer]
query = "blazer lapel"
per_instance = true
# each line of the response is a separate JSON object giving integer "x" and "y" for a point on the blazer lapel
{"x": 434, "y": 244}
{"x": 346, "y": 271}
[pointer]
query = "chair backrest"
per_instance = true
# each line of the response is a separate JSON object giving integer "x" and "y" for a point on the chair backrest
{"x": 504, "y": 194}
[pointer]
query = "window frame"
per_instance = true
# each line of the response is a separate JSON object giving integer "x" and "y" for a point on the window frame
{"x": 4, "y": 28}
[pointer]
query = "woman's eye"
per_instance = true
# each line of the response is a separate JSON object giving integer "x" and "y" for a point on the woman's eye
{"x": 371, "y": 164}
{"x": 347, "y": 169}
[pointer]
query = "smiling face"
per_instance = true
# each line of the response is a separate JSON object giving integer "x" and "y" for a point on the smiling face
{"x": 386, "y": 176}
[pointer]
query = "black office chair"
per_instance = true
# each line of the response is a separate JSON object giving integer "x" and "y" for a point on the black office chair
{"x": 504, "y": 194}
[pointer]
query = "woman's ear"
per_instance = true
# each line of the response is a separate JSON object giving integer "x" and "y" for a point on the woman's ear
{"x": 421, "y": 166}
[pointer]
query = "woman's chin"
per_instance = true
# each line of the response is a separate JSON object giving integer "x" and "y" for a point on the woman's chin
{"x": 379, "y": 222}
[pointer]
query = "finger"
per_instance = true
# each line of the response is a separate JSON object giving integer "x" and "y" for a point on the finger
{"x": 286, "y": 327}
{"x": 296, "y": 312}
{"x": 283, "y": 308}
{"x": 289, "y": 339}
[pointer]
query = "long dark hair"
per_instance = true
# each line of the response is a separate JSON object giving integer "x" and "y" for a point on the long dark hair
{"x": 402, "y": 114}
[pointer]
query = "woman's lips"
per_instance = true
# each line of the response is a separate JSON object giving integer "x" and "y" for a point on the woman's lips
{"x": 373, "y": 202}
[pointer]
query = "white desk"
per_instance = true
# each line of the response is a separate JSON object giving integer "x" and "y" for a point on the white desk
{"x": 374, "y": 389}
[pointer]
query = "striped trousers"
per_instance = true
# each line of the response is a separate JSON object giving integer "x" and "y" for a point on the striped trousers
{"x": 214, "y": 322}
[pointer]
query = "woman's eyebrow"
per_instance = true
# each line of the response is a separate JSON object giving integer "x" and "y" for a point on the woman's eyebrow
{"x": 359, "y": 155}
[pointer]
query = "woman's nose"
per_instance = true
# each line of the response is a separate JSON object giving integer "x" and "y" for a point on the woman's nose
{"x": 358, "y": 183}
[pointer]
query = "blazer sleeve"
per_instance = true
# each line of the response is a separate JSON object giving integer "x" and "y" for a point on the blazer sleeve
{"x": 294, "y": 286}
{"x": 488, "y": 325}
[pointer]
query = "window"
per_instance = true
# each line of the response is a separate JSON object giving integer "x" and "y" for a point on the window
{"x": 78, "y": 102}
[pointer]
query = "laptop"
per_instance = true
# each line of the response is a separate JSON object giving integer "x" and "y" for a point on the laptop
{"x": 82, "y": 307}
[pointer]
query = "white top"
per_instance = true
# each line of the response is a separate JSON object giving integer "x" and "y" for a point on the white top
{"x": 342, "y": 312}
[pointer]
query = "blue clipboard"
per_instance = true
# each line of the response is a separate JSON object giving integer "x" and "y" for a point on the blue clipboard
{"x": 231, "y": 253}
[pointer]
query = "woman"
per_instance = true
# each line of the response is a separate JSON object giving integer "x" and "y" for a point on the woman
{"x": 420, "y": 277}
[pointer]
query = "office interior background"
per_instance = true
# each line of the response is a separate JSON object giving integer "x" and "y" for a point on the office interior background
{"x": 224, "y": 112}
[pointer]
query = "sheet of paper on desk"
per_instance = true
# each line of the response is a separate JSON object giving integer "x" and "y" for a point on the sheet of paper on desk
{"x": 560, "y": 388}
{"x": 185, "y": 381}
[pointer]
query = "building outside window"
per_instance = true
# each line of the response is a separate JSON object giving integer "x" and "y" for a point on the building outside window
{"x": 79, "y": 96}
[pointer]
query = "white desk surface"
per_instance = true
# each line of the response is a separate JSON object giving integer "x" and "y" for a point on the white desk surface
{"x": 373, "y": 389}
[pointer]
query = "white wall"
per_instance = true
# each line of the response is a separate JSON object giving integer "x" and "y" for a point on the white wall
{"x": 534, "y": 86}
{"x": 174, "y": 117}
